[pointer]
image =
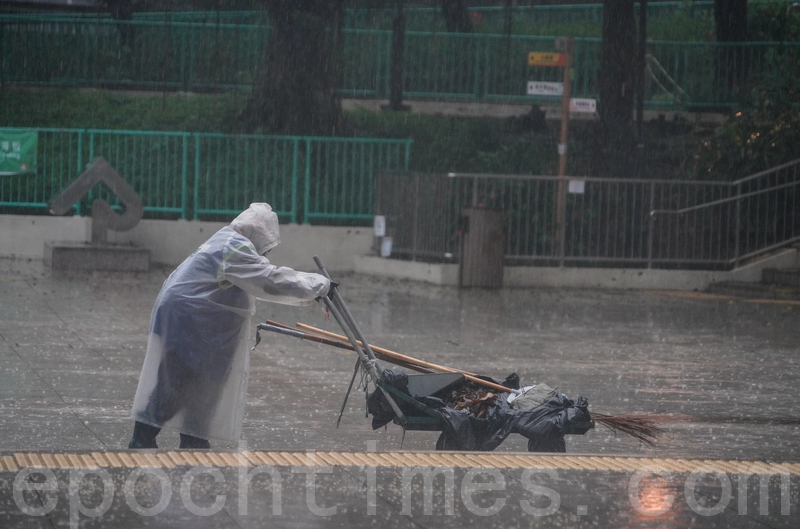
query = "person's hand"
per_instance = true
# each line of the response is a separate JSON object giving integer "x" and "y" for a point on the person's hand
{"x": 329, "y": 295}
{"x": 334, "y": 284}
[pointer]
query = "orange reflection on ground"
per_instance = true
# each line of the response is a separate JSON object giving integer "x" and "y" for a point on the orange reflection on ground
{"x": 652, "y": 495}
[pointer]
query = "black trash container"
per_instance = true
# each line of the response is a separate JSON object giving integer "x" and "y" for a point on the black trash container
{"x": 482, "y": 248}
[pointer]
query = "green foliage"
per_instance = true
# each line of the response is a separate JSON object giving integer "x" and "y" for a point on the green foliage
{"x": 441, "y": 143}
{"x": 456, "y": 144}
{"x": 686, "y": 23}
{"x": 765, "y": 133}
{"x": 102, "y": 109}
{"x": 773, "y": 21}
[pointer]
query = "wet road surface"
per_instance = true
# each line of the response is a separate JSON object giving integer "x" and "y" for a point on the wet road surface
{"x": 724, "y": 370}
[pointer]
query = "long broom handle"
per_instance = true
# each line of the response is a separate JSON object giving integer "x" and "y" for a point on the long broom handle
{"x": 336, "y": 343}
{"x": 288, "y": 331}
{"x": 392, "y": 354}
{"x": 381, "y": 350}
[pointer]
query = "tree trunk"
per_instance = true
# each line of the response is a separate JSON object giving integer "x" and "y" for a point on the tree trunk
{"x": 456, "y": 16}
{"x": 640, "y": 77}
{"x": 730, "y": 18}
{"x": 398, "y": 47}
{"x": 294, "y": 93}
{"x": 508, "y": 17}
{"x": 508, "y": 29}
{"x": 617, "y": 88}
{"x": 123, "y": 10}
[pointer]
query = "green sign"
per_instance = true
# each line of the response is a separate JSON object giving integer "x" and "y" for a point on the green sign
{"x": 18, "y": 152}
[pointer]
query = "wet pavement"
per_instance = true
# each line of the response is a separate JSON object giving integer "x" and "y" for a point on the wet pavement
{"x": 724, "y": 370}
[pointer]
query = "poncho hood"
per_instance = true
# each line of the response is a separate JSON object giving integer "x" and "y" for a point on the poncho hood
{"x": 259, "y": 224}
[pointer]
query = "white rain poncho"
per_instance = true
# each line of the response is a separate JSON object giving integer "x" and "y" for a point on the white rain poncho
{"x": 194, "y": 377}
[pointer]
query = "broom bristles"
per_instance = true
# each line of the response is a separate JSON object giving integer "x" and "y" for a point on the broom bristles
{"x": 641, "y": 427}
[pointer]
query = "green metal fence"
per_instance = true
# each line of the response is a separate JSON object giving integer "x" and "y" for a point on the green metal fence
{"x": 455, "y": 66}
{"x": 529, "y": 19}
{"x": 142, "y": 54}
{"x": 212, "y": 176}
{"x": 147, "y": 54}
{"x": 153, "y": 163}
{"x": 471, "y": 67}
{"x": 582, "y": 20}
{"x": 340, "y": 175}
{"x": 231, "y": 170}
{"x": 60, "y": 158}
{"x": 494, "y": 68}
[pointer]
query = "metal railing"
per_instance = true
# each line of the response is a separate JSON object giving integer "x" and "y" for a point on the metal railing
{"x": 543, "y": 19}
{"x": 604, "y": 221}
{"x": 209, "y": 176}
{"x": 154, "y": 164}
{"x": 230, "y": 170}
{"x": 340, "y": 175}
{"x": 60, "y": 159}
{"x": 143, "y": 54}
{"x": 759, "y": 215}
{"x": 478, "y": 67}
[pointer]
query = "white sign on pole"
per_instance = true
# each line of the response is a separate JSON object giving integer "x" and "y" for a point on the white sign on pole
{"x": 577, "y": 186}
{"x": 582, "y": 105}
{"x": 539, "y": 88}
{"x": 386, "y": 247}
{"x": 380, "y": 225}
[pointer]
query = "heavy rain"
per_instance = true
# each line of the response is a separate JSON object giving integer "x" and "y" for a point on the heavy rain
{"x": 359, "y": 263}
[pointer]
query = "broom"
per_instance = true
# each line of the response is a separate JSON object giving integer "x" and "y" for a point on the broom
{"x": 639, "y": 426}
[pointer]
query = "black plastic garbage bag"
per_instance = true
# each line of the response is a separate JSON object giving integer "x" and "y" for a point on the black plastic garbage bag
{"x": 544, "y": 426}
{"x": 377, "y": 405}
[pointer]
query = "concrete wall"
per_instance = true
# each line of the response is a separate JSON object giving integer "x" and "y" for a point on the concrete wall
{"x": 171, "y": 241}
{"x": 547, "y": 276}
{"x": 438, "y": 274}
{"x": 349, "y": 249}
{"x": 646, "y": 278}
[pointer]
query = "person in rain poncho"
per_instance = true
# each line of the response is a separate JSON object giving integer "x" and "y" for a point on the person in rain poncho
{"x": 194, "y": 377}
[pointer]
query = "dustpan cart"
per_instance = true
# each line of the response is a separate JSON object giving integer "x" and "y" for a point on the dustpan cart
{"x": 411, "y": 402}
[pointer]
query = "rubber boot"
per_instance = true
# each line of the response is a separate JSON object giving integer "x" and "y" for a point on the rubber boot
{"x": 189, "y": 441}
{"x": 144, "y": 436}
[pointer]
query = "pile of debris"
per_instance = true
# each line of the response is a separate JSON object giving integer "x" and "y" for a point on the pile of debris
{"x": 473, "y": 400}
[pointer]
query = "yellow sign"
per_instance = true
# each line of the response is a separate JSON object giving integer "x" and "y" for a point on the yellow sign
{"x": 545, "y": 58}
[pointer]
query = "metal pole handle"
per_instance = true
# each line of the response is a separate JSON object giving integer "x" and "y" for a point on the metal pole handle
{"x": 348, "y": 317}
{"x": 346, "y": 321}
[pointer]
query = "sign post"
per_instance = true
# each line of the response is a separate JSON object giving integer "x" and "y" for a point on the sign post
{"x": 562, "y": 58}
{"x": 562, "y": 150}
